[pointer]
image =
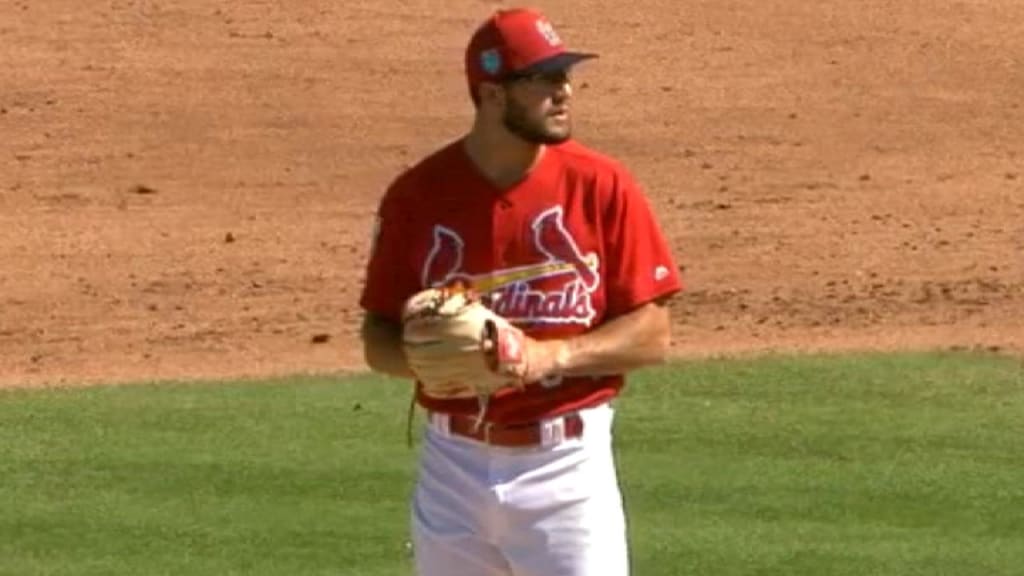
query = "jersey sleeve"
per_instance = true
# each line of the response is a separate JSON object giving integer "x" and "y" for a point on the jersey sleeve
{"x": 639, "y": 260}
{"x": 390, "y": 278}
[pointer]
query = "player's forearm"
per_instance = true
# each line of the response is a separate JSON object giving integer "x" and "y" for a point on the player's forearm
{"x": 631, "y": 341}
{"x": 382, "y": 348}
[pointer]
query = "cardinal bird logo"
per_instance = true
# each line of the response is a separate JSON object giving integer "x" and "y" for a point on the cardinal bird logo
{"x": 444, "y": 261}
{"x": 514, "y": 292}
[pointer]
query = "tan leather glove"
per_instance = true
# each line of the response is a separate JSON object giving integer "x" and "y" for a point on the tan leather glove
{"x": 457, "y": 347}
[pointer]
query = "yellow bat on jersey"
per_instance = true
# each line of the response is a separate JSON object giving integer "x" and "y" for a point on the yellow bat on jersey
{"x": 484, "y": 283}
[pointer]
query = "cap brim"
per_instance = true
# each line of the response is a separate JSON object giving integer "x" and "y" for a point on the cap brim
{"x": 556, "y": 63}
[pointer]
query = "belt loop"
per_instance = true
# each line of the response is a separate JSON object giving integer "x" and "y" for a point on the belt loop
{"x": 442, "y": 423}
{"x": 552, "y": 432}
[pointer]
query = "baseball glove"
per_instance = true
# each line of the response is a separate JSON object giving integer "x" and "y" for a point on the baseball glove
{"x": 457, "y": 347}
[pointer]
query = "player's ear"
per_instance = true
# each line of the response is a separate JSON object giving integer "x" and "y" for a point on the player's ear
{"x": 491, "y": 94}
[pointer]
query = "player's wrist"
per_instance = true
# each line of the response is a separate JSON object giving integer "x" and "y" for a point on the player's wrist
{"x": 561, "y": 356}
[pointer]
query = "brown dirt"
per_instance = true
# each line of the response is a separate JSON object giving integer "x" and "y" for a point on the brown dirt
{"x": 186, "y": 192}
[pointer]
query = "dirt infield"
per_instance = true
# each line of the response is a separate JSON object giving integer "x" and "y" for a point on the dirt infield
{"x": 186, "y": 192}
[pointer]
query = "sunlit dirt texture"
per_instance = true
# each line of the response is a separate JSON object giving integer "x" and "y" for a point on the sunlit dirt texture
{"x": 186, "y": 189}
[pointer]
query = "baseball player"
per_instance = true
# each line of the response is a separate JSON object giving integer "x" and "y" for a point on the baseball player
{"x": 515, "y": 277}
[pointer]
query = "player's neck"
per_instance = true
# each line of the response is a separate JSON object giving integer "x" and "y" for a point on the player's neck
{"x": 500, "y": 156}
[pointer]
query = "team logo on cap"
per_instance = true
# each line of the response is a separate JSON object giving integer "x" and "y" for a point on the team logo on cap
{"x": 490, "y": 60}
{"x": 548, "y": 32}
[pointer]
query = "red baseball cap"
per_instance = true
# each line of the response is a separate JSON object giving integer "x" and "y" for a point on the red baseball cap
{"x": 515, "y": 42}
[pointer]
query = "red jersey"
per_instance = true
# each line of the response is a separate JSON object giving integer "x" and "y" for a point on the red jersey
{"x": 573, "y": 244}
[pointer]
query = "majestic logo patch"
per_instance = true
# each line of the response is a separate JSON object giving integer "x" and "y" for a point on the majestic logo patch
{"x": 526, "y": 294}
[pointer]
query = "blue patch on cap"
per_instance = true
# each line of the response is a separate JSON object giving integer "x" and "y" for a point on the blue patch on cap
{"x": 490, "y": 60}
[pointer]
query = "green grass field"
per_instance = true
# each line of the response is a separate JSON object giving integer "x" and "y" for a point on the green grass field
{"x": 866, "y": 465}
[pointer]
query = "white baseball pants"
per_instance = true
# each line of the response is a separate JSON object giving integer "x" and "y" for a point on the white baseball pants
{"x": 553, "y": 510}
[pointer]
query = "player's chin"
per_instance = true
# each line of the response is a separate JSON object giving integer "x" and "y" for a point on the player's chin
{"x": 557, "y": 130}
